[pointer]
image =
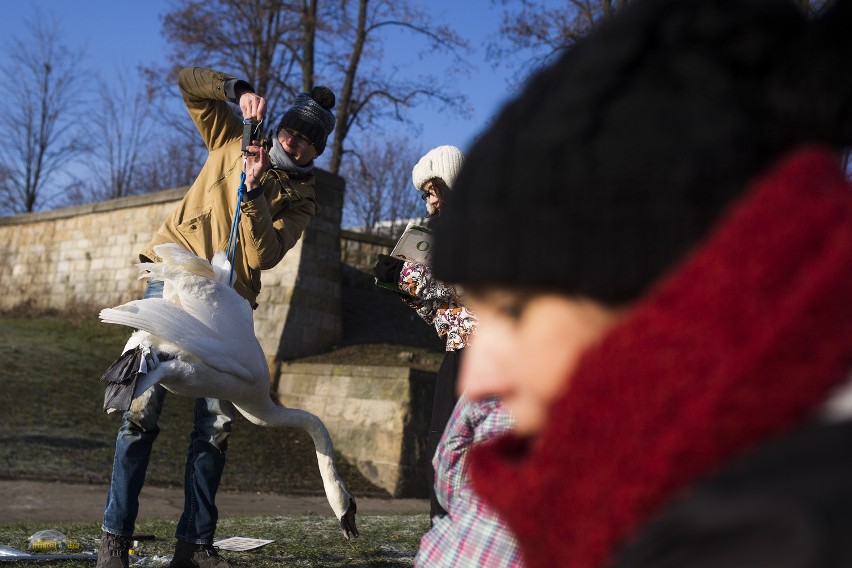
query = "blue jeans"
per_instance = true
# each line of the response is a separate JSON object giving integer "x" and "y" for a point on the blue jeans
{"x": 205, "y": 461}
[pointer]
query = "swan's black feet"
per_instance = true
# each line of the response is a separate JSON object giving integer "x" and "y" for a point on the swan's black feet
{"x": 190, "y": 555}
{"x": 347, "y": 523}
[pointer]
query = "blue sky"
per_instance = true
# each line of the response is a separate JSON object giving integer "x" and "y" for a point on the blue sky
{"x": 122, "y": 34}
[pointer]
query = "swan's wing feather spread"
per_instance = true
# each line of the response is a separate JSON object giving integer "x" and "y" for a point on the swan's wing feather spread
{"x": 216, "y": 304}
{"x": 170, "y": 323}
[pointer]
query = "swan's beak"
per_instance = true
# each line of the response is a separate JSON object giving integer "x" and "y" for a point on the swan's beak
{"x": 347, "y": 521}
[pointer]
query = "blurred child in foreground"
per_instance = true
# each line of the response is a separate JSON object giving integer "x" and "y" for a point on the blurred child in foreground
{"x": 656, "y": 237}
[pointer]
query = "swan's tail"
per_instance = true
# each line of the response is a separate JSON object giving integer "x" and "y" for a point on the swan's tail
{"x": 222, "y": 269}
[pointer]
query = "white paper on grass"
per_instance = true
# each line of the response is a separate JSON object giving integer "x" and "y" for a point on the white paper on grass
{"x": 240, "y": 543}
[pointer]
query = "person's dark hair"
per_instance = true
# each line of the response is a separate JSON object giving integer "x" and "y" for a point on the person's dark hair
{"x": 440, "y": 188}
{"x": 638, "y": 139}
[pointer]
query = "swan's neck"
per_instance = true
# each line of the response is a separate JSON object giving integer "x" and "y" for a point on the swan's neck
{"x": 269, "y": 414}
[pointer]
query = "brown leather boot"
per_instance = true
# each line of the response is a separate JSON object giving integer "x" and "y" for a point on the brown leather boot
{"x": 113, "y": 551}
{"x": 191, "y": 555}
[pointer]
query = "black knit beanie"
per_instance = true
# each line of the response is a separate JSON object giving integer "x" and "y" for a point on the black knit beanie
{"x": 311, "y": 115}
{"x": 614, "y": 162}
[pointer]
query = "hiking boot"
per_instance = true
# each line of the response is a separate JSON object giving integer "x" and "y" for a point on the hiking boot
{"x": 113, "y": 551}
{"x": 191, "y": 555}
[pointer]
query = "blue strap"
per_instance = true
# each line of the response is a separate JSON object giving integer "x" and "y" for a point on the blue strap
{"x": 235, "y": 225}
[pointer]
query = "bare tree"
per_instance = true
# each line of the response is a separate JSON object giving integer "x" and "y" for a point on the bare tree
{"x": 123, "y": 127}
{"x": 258, "y": 40}
{"x": 42, "y": 133}
{"x": 534, "y": 32}
{"x": 373, "y": 91}
{"x": 379, "y": 186}
{"x": 169, "y": 164}
{"x": 176, "y": 156}
{"x": 285, "y": 47}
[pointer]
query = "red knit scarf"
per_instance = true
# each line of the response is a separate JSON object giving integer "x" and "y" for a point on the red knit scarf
{"x": 736, "y": 346}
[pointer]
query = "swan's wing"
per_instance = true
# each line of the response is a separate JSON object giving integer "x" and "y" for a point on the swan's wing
{"x": 170, "y": 323}
{"x": 173, "y": 254}
{"x": 222, "y": 269}
{"x": 217, "y": 305}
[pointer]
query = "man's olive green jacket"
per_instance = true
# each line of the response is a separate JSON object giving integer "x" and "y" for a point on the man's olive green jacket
{"x": 270, "y": 223}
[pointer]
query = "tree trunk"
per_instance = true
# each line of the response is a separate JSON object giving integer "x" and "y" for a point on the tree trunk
{"x": 344, "y": 102}
{"x": 309, "y": 33}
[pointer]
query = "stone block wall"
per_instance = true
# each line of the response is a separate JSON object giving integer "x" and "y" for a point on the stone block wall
{"x": 79, "y": 258}
{"x": 360, "y": 250}
{"x": 300, "y": 301}
{"x": 378, "y": 417}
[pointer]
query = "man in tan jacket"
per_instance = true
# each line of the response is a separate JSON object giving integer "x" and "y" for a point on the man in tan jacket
{"x": 278, "y": 202}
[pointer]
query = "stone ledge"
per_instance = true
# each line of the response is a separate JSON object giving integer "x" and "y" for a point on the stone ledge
{"x": 97, "y": 207}
{"x": 366, "y": 238}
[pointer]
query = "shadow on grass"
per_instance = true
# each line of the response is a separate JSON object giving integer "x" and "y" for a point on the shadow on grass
{"x": 34, "y": 440}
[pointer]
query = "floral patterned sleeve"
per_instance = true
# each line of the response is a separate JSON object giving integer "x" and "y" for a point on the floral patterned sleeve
{"x": 416, "y": 280}
{"x": 425, "y": 309}
{"x": 436, "y": 303}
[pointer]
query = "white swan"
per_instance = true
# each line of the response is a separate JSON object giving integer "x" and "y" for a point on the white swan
{"x": 207, "y": 327}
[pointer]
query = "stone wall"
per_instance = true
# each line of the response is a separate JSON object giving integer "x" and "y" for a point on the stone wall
{"x": 378, "y": 417}
{"x": 306, "y": 299}
{"x": 83, "y": 259}
{"x": 80, "y": 257}
{"x": 360, "y": 250}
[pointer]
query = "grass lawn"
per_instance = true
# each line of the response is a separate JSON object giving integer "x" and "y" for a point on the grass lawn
{"x": 304, "y": 540}
{"x": 53, "y": 429}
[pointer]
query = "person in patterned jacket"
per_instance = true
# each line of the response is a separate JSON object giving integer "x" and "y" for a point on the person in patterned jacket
{"x": 465, "y": 530}
{"x": 436, "y": 302}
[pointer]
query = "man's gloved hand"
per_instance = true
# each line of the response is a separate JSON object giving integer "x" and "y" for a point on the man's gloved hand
{"x": 387, "y": 269}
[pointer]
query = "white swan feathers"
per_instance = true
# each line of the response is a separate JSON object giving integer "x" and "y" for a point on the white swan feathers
{"x": 208, "y": 328}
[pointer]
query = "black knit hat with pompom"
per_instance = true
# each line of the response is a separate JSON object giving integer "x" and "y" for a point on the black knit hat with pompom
{"x": 311, "y": 115}
{"x": 614, "y": 162}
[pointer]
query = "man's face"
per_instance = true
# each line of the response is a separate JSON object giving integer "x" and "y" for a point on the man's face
{"x": 299, "y": 148}
{"x": 526, "y": 348}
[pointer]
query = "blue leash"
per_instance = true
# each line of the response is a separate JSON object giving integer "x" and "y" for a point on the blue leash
{"x": 235, "y": 225}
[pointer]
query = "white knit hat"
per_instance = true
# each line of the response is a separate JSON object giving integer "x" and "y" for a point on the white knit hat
{"x": 443, "y": 162}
